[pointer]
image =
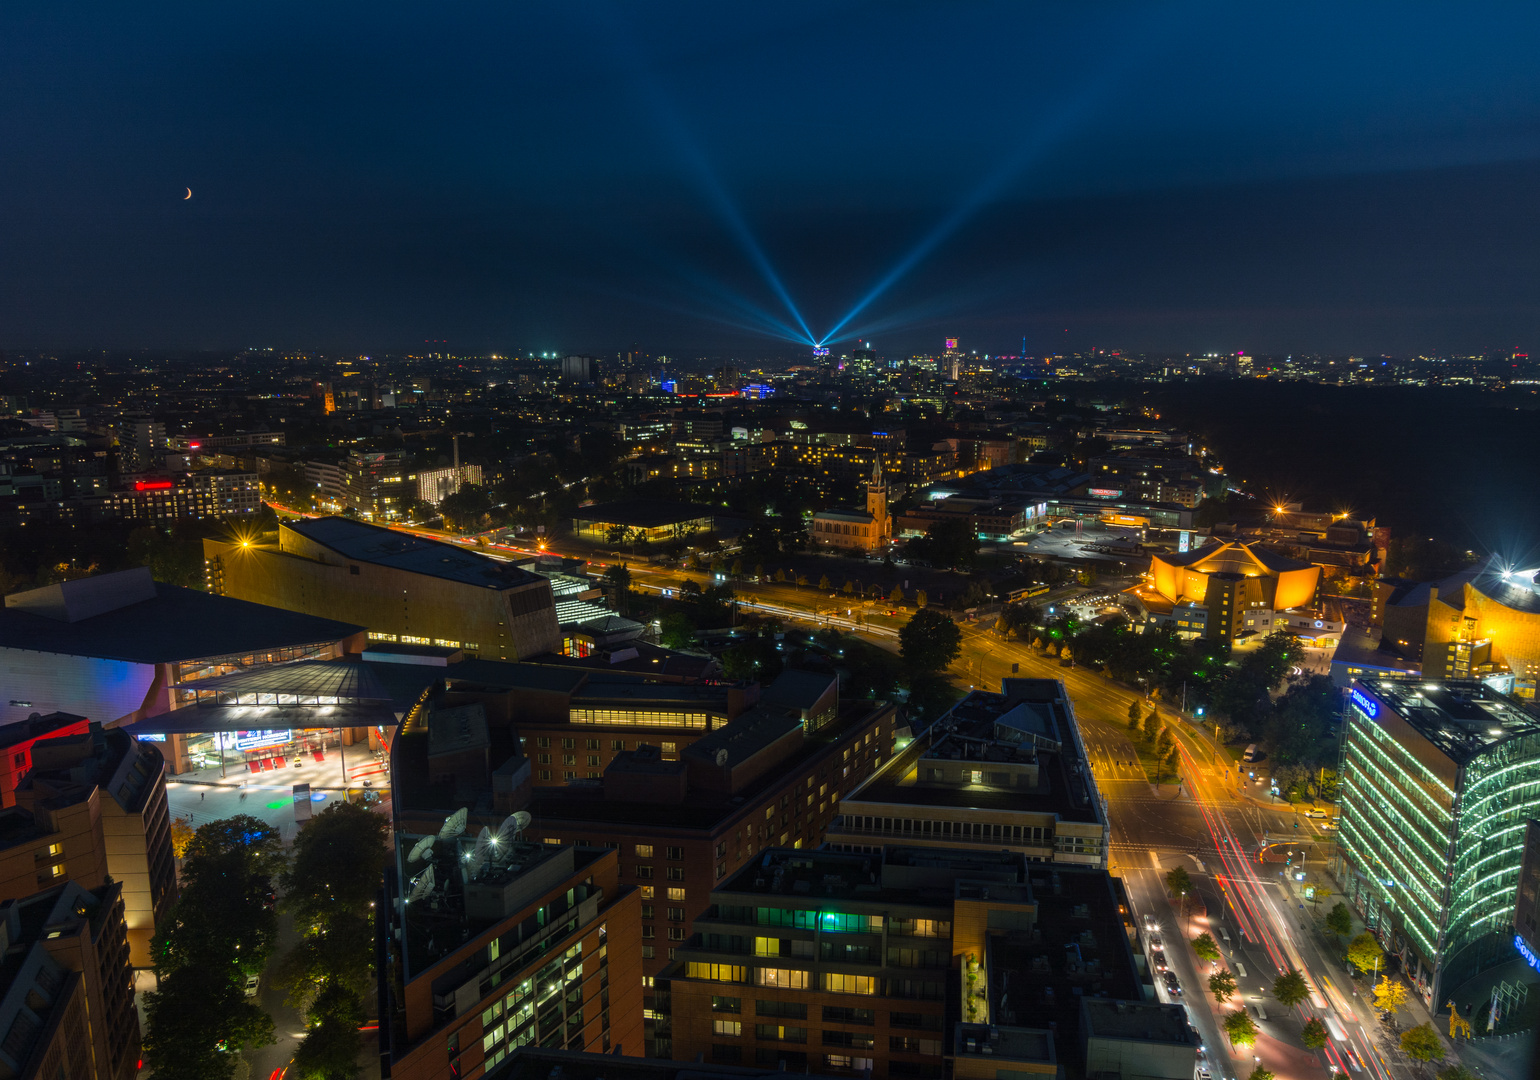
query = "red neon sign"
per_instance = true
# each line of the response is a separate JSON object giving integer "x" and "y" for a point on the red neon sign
{"x": 152, "y": 485}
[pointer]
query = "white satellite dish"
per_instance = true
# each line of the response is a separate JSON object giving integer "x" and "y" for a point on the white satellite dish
{"x": 509, "y": 831}
{"x": 474, "y": 863}
{"x": 422, "y": 886}
{"x": 521, "y": 820}
{"x": 722, "y": 757}
{"x": 454, "y": 825}
{"x": 483, "y": 845}
{"x": 421, "y": 848}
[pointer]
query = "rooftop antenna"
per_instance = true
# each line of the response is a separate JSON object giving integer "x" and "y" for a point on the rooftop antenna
{"x": 422, "y": 886}
{"x": 421, "y": 848}
{"x": 454, "y": 825}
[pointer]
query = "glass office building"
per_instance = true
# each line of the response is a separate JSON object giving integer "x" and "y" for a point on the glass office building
{"x": 1439, "y": 780}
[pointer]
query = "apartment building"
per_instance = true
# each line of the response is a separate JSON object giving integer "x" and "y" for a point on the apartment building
{"x": 67, "y": 1001}
{"x": 919, "y": 962}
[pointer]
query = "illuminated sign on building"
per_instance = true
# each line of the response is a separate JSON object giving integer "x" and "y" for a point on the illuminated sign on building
{"x": 1183, "y": 541}
{"x": 667, "y": 386}
{"x": 1105, "y": 493}
{"x": 1526, "y": 952}
{"x": 821, "y": 352}
{"x": 1366, "y": 704}
{"x": 252, "y": 740}
{"x": 152, "y": 485}
{"x": 951, "y": 343}
{"x": 758, "y": 391}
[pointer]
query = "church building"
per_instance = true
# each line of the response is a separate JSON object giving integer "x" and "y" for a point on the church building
{"x": 856, "y": 530}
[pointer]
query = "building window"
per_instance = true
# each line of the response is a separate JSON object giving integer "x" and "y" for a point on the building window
{"x": 593, "y": 759}
{"x": 617, "y": 744}
{"x": 727, "y": 1027}
{"x": 543, "y": 742}
{"x": 569, "y": 759}
{"x": 676, "y": 894}
{"x": 644, "y": 851}
{"x": 646, "y": 891}
{"x": 593, "y": 744}
{"x": 839, "y": 983}
{"x": 676, "y": 914}
{"x": 644, "y": 873}
{"x": 675, "y": 853}
{"x": 544, "y": 759}
{"x": 733, "y": 973}
{"x": 676, "y": 873}
{"x": 784, "y": 978}
{"x": 676, "y": 933}
{"x": 726, "y": 1004}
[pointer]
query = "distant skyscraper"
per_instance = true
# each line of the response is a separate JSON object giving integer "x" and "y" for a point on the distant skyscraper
{"x": 947, "y": 365}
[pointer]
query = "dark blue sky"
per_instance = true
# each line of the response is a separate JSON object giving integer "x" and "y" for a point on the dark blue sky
{"x": 579, "y": 176}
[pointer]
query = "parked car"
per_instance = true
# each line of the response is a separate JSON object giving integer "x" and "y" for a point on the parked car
{"x": 253, "y": 984}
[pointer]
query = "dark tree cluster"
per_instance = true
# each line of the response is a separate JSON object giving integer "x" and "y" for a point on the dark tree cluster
{"x": 330, "y": 889}
{"x": 220, "y": 931}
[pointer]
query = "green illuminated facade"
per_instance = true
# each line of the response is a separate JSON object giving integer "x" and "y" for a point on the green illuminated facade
{"x": 1439, "y": 781}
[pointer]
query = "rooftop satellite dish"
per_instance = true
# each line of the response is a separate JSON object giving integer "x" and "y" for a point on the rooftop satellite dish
{"x": 454, "y": 825}
{"x": 521, "y": 819}
{"x": 483, "y": 845}
{"x": 421, "y": 848}
{"x": 422, "y": 886}
{"x": 474, "y": 863}
{"x": 508, "y": 832}
{"x": 722, "y": 757}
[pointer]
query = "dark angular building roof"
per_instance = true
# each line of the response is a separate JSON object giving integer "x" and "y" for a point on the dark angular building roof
{"x": 178, "y": 624}
{"x": 365, "y": 543}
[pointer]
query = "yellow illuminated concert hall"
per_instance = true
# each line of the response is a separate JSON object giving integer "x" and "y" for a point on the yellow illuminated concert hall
{"x": 1225, "y": 590}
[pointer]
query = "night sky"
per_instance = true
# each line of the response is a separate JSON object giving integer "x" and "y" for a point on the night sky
{"x": 710, "y": 178}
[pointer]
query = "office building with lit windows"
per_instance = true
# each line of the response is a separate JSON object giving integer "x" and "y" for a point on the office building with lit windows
{"x": 999, "y": 771}
{"x": 1439, "y": 783}
{"x": 920, "y": 962}
{"x": 490, "y": 947}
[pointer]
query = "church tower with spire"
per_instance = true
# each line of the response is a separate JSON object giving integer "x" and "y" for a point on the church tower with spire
{"x": 877, "y": 502}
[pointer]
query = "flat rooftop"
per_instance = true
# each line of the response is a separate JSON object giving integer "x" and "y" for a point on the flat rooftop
{"x": 1036, "y": 715}
{"x": 176, "y": 624}
{"x": 586, "y": 802}
{"x": 365, "y": 543}
{"x": 898, "y": 875}
{"x": 1462, "y": 718}
{"x": 1145, "y": 1021}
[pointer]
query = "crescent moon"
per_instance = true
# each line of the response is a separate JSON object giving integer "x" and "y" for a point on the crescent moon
{"x": 188, "y": 195}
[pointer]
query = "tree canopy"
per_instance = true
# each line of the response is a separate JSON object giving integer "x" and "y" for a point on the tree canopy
{"x": 929, "y": 642}
{"x": 1222, "y": 985}
{"x": 1422, "y": 1043}
{"x": 1240, "y": 1029}
{"x": 1313, "y": 1034}
{"x": 1291, "y": 989}
{"x": 1340, "y": 920}
{"x": 1389, "y": 995}
{"x": 1203, "y": 945}
{"x": 1178, "y": 881}
{"x": 220, "y": 930}
{"x": 1364, "y": 952}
